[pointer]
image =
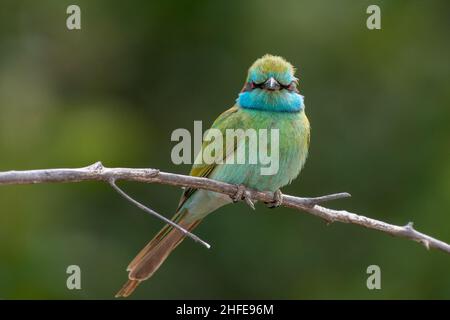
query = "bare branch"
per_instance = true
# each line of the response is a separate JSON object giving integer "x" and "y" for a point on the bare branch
{"x": 113, "y": 184}
{"x": 97, "y": 172}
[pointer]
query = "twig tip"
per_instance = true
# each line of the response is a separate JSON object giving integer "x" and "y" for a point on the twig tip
{"x": 250, "y": 203}
{"x": 98, "y": 166}
{"x": 410, "y": 225}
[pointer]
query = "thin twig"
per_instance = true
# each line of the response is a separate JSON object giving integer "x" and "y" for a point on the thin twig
{"x": 113, "y": 184}
{"x": 99, "y": 173}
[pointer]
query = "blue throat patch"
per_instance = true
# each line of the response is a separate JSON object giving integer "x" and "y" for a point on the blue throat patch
{"x": 275, "y": 101}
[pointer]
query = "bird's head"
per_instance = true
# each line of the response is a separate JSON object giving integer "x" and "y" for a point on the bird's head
{"x": 271, "y": 86}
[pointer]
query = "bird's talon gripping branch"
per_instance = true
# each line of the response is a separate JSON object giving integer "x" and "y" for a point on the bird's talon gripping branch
{"x": 239, "y": 193}
{"x": 277, "y": 200}
{"x": 243, "y": 194}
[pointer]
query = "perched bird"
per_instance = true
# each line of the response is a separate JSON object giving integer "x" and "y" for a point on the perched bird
{"x": 269, "y": 100}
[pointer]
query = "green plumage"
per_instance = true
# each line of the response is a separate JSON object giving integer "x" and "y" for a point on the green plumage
{"x": 294, "y": 133}
{"x": 269, "y": 100}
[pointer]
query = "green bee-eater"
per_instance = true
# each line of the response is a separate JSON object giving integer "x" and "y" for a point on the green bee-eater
{"x": 269, "y": 100}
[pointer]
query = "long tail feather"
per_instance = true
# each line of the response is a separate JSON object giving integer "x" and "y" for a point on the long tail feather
{"x": 156, "y": 239}
{"x": 127, "y": 288}
{"x": 150, "y": 258}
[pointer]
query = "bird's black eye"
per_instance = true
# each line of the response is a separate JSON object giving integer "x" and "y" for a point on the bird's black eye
{"x": 249, "y": 86}
{"x": 258, "y": 85}
{"x": 291, "y": 86}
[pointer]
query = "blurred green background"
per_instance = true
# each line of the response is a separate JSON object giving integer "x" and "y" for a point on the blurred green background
{"x": 378, "y": 102}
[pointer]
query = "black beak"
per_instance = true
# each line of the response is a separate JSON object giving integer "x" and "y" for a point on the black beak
{"x": 272, "y": 84}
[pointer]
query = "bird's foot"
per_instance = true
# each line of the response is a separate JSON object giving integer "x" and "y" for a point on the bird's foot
{"x": 277, "y": 200}
{"x": 243, "y": 194}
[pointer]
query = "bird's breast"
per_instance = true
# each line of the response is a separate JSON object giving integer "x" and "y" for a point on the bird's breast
{"x": 279, "y": 162}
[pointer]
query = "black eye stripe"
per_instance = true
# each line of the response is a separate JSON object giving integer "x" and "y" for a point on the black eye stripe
{"x": 291, "y": 86}
{"x": 253, "y": 85}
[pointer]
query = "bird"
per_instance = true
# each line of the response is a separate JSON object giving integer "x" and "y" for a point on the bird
{"x": 269, "y": 99}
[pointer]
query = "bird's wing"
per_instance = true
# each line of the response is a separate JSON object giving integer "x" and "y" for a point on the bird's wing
{"x": 233, "y": 118}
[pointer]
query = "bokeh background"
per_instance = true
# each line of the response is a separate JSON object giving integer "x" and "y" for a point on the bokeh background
{"x": 378, "y": 102}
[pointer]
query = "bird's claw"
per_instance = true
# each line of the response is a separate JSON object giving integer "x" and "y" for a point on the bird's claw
{"x": 277, "y": 200}
{"x": 243, "y": 194}
{"x": 239, "y": 194}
